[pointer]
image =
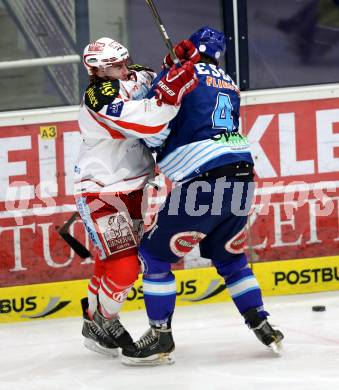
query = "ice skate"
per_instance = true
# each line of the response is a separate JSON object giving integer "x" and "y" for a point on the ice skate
{"x": 95, "y": 339}
{"x": 263, "y": 330}
{"x": 113, "y": 329}
{"x": 153, "y": 348}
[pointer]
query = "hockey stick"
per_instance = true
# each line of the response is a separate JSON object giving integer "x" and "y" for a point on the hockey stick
{"x": 78, "y": 248}
{"x": 163, "y": 32}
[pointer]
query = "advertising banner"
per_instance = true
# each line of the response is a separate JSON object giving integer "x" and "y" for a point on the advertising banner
{"x": 296, "y": 152}
{"x": 194, "y": 286}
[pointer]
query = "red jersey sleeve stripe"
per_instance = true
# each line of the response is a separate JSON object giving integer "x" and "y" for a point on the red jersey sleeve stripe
{"x": 135, "y": 126}
{"x": 114, "y": 133}
{"x": 141, "y": 128}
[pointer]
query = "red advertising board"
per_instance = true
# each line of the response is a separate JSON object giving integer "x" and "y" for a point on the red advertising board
{"x": 296, "y": 150}
{"x": 295, "y": 214}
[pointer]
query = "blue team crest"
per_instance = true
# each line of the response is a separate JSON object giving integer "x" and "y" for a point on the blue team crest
{"x": 114, "y": 109}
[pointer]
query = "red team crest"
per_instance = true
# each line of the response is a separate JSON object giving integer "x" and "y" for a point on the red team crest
{"x": 237, "y": 243}
{"x": 183, "y": 242}
{"x": 121, "y": 296}
{"x": 116, "y": 232}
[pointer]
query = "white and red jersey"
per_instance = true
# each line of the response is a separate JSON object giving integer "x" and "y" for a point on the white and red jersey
{"x": 112, "y": 158}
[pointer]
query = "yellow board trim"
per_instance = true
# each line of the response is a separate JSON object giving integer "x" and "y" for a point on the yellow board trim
{"x": 194, "y": 286}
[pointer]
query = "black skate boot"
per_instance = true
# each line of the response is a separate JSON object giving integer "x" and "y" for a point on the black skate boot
{"x": 96, "y": 339}
{"x": 263, "y": 330}
{"x": 113, "y": 329}
{"x": 153, "y": 348}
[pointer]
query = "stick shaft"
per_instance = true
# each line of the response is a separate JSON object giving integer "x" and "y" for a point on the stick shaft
{"x": 162, "y": 30}
{"x": 78, "y": 248}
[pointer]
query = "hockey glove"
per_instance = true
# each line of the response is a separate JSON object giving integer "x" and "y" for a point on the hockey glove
{"x": 176, "y": 83}
{"x": 185, "y": 51}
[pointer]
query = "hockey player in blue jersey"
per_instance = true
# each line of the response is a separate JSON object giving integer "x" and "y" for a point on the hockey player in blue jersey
{"x": 204, "y": 153}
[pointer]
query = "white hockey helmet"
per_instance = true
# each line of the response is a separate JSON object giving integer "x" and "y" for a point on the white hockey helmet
{"x": 102, "y": 53}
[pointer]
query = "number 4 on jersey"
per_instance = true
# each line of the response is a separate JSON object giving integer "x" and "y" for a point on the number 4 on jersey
{"x": 221, "y": 116}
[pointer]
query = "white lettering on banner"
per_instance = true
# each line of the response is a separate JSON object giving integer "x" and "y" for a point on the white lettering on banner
{"x": 46, "y": 155}
{"x": 42, "y": 192}
{"x": 314, "y": 207}
{"x": 16, "y": 168}
{"x": 327, "y": 141}
{"x": 46, "y": 248}
{"x": 278, "y": 223}
{"x": 17, "y": 244}
{"x": 289, "y": 166}
{"x": 47, "y": 168}
{"x": 263, "y": 165}
{"x": 289, "y": 201}
{"x": 311, "y": 236}
{"x": 46, "y": 239}
{"x": 72, "y": 142}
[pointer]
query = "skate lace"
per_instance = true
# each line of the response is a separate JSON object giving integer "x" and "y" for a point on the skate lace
{"x": 147, "y": 339}
{"x": 116, "y": 329}
{"x": 98, "y": 331}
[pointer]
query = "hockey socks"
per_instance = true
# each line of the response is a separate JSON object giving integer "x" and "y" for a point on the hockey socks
{"x": 243, "y": 287}
{"x": 159, "y": 296}
{"x": 159, "y": 288}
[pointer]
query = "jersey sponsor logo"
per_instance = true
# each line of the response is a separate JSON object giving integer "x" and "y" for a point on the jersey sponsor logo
{"x": 183, "y": 242}
{"x": 237, "y": 243}
{"x": 106, "y": 89}
{"x": 114, "y": 109}
{"x": 92, "y": 101}
{"x": 99, "y": 95}
{"x": 232, "y": 139}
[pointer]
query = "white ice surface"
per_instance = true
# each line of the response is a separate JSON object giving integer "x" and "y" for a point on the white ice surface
{"x": 214, "y": 350}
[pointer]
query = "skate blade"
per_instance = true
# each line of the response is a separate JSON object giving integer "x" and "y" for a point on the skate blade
{"x": 155, "y": 360}
{"x": 276, "y": 348}
{"x": 95, "y": 347}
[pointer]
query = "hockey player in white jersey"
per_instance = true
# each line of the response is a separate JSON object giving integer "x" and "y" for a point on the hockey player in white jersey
{"x": 111, "y": 172}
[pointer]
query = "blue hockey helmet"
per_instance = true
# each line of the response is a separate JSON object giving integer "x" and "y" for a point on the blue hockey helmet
{"x": 209, "y": 41}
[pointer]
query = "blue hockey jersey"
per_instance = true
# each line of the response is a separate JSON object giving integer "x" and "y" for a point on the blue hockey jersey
{"x": 204, "y": 134}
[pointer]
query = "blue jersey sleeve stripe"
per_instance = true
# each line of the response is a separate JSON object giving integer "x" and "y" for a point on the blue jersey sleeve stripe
{"x": 203, "y": 158}
{"x": 186, "y": 156}
{"x": 173, "y": 155}
{"x": 193, "y": 156}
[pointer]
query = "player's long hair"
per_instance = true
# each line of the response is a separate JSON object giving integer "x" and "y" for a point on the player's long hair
{"x": 95, "y": 79}
{"x": 208, "y": 60}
